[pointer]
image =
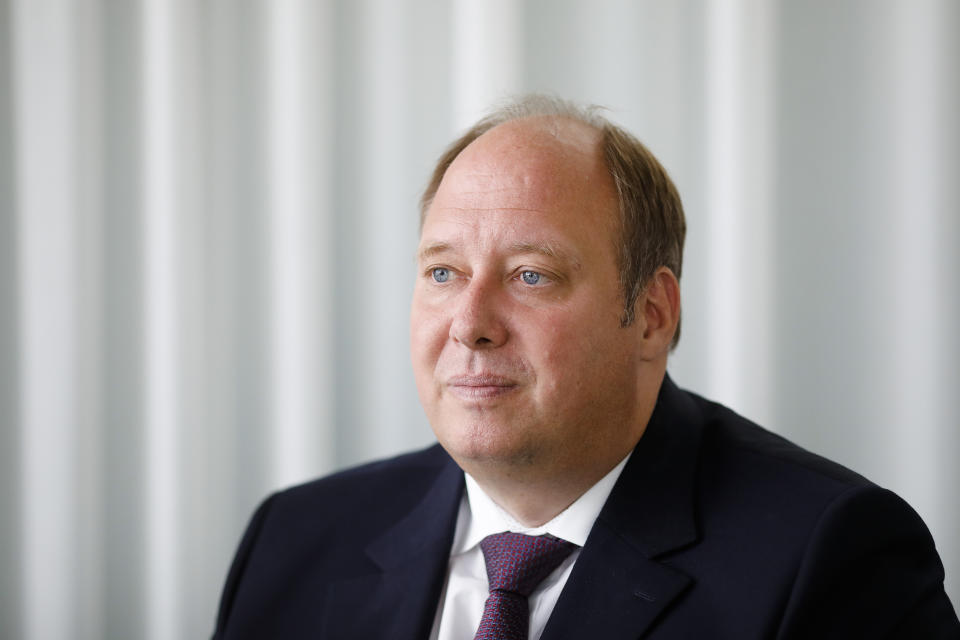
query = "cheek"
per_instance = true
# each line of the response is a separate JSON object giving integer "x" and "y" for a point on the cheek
{"x": 428, "y": 331}
{"x": 561, "y": 353}
{"x": 577, "y": 354}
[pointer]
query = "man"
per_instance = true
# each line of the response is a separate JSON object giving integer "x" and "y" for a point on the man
{"x": 546, "y": 303}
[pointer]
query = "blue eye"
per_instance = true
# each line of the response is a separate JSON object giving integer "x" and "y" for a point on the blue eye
{"x": 530, "y": 277}
{"x": 440, "y": 274}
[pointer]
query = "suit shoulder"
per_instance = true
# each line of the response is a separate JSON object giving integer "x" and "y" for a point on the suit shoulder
{"x": 729, "y": 436}
{"x": 408, "y": 473}
{"x": 327, "y": 531}
{"x": 345, "y": 511}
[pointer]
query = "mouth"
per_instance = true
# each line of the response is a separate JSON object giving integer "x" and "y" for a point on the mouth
{"x": 481, "y": 387}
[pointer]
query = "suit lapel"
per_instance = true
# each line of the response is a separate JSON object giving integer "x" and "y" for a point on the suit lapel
{"x": 620, "y": 584}
{"x": 400, "y": 600}
{"x": 614, "y": 592}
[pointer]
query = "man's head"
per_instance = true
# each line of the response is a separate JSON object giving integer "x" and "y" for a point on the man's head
{"x": 651, "y": 225}
{"x": 528, "y": 363}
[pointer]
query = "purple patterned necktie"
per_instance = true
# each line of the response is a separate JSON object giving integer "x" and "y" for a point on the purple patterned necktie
{"x": 516, "y": 564}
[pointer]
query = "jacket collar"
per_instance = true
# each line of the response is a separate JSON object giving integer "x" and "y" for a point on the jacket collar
{"x": 401, "y": 601}
{"x": 652, "y": 503}
{"x": 618, "y": 587}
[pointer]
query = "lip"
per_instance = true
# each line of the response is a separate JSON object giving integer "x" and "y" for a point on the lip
{"x": 481, "y": 386}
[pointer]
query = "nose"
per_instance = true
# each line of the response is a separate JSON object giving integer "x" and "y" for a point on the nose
{"x": 478, "y": 321}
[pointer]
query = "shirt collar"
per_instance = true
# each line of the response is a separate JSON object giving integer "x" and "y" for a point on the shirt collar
{"x": 480, "y": 516}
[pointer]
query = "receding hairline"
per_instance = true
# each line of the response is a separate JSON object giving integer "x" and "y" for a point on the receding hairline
{"x": 529, "y": 107}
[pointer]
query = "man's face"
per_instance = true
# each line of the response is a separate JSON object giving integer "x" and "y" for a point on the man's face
{"x": 516, "y": 342}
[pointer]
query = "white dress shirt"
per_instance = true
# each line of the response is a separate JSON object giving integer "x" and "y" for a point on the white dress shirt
{"x": 466, "y": 589}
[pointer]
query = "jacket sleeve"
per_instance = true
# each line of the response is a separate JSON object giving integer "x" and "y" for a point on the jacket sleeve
{"x": 237, "y": 569}
{"x": 870, "y": 571}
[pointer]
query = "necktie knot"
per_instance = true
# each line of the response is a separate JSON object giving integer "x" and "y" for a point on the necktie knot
{"x": 518, "y": 563}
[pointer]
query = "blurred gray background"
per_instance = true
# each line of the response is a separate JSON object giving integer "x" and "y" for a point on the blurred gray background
{"x": 208, "y": 218}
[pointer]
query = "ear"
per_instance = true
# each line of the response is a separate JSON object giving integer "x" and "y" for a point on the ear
{"x": 658, "y": 311}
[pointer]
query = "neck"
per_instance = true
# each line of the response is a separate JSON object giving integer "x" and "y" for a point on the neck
{"x": 533, "y": 497}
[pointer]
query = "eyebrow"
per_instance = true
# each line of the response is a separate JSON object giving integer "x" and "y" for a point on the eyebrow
{"x": 433, "y": 249}
{"x": 546, "y": 249}
{"x": 541, "y": 248}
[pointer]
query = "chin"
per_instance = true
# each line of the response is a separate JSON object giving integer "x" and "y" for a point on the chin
{"x": 478, "y": 445}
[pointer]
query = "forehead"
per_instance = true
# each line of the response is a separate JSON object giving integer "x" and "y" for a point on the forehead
{"x": 539, "y": 171}
{"x": 533, "y": 158}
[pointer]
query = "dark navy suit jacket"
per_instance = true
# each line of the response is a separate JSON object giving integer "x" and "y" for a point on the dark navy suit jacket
{"x": 715, "y": 529}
